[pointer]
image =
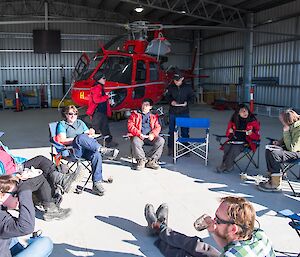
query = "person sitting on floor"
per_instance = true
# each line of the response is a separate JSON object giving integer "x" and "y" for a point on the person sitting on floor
{"x": 242, "y": 128}
{"x": 10, "y": 164}
{"x": 232, "y": 229}
{"x": 14, "y": 194}
{"x": 144, "y": 128}
{"x": 72, "y": 131}
{"x": 287, "y": 149}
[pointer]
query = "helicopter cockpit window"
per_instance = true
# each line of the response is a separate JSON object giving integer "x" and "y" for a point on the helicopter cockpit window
{"x": 92, "y": 66}
{"x": 117, "y": 69}
{"x": 140, "y": 76}
{"x": 153, "y": 71}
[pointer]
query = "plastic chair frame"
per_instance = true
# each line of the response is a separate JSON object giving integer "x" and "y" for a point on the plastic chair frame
{"x": 197, "y": 146}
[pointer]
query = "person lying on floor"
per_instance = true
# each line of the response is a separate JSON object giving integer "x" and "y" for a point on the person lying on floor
{"x": 242, "y": 128}
{"x": 287, "y": 149}
{"x": 232, "y": 229}
{"x": 72, "y": 131}
{"x": 18, "y": 194}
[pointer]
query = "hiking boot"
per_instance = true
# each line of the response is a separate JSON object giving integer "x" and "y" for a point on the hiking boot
{"x": 162, "y": 213}
{"x": 98, "y": 188}
{"x": 150, "y": 214}
{"x": 153, "y": 164}
{"x": 52, "y": 212}
{"x": 110, "y": 153}
{"x": 140, "y": 164}
{"x": 112, "y": 144}
{"x": 273, "y": 185}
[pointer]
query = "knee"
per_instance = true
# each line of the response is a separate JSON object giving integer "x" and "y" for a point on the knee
{"x": 45, "y": 245}
{"x": 160, "y": 140}
{"x": 136, "y": 141}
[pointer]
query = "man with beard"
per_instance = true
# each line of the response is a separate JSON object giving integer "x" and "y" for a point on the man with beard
{"x": 233, "y": 229}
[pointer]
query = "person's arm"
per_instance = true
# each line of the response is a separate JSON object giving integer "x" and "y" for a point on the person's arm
{"x": 229, "y": 130}
{"x": 254, "y": 132}
{"x": 131, "y": 126}
{"x": 97, "y": 96}
{"x": 61, "y": 136}
{"x": 23, "y": 225}
{"x": 169, "y": 97}
{"x": 156, "y": 129}
{"x": 292, "y": 143}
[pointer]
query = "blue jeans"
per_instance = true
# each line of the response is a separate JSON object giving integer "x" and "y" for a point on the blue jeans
{"x": 38, "y": 247}
{"x": 88, "y": 148}
{"x": 184, "y": 131}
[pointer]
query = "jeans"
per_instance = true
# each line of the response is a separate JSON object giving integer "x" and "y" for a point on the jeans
{"x": 38, "y": 247}
{"x": 88, "y": 148}
{"x": 184, "y": 131}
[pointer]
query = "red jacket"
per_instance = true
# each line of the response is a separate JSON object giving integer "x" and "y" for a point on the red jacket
{"x": 96, "y": 97}
{"x": 134, "y": 124}
{"x": 251, "y": 125}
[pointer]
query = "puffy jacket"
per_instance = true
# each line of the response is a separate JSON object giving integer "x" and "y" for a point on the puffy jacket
{"x": 95, "y": 98}
{"x": 291, "y": 138}
{"x": 253, "y": 125}
{"x": 134, "y": 124}
{"x": 181, "y": 94}
{"x": 16, "y": 159}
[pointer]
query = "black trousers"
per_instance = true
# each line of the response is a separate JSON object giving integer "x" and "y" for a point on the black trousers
{"x": 100, "y": 124}
{"x": 276, "y": 155}
{"x": 44, "y": 164}
{"x": 175, "y": 244}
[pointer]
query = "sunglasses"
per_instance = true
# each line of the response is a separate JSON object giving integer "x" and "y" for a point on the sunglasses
{"x": 13, "y": 194}
{"x": 71, "y": 113}
{"x": 220, "y": 221}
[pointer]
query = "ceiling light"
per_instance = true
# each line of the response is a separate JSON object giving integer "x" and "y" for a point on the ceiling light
{"x": 139, "y": 9}
{"x": 183, "y": 12}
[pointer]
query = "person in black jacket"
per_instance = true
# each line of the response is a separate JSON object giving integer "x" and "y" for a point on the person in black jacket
{"x": 178, "y": 96}
{"x": 15, "y": 194}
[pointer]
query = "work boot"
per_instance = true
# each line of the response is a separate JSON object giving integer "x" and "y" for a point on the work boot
{"x": 153, "y": 164}
{"x": 273, "y": 184}
{"x": 110, "y": 153}
{"x": 98, "y": 188}
{"x": 140, "y": 164}
{"x": 52, "y": 212}
{"x": 162, "y": 213}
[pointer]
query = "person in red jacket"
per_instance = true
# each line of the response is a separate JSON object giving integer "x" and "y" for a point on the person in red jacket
{"x": 99, "y": 108}
{"x": 243, "y": 127}
{"x": 144, "y": 128}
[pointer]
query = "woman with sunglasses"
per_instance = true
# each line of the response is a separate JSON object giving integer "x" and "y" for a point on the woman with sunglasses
{"x": 99, "y": 108}
{"x": 243, "y": 128}
{"x": 15, "y": 194}
{"x": 74, "y": 132}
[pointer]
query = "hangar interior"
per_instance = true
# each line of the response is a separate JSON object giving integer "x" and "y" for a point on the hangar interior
{"x": 267, "y": 55}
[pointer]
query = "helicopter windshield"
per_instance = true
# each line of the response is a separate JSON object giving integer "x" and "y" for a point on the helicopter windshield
{"x": 92, "y": 66}
{"x": 117, "y": 69}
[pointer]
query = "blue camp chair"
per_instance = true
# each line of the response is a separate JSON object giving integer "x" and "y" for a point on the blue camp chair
{"x": 195, "y": 145}
{"x": 295, "y": 219}
{"x": 61, "y": 152}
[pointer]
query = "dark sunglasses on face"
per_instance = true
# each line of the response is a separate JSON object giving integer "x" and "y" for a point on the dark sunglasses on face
{"x": 220, "y": 221}
{"x": 13, "y": 194}
{"x": 71, "y": 113}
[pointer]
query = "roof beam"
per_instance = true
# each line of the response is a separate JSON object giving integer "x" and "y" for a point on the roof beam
{"x": 203, "y": 9}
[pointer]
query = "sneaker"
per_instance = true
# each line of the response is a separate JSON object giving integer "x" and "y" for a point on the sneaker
{"x": 162, "y": 213}
{"x": 98, "y": 188}
{"x": 153, "y": 164}
{"x": 140, "y": 164}
{"x": 150, "y": 215}
{"x": 110, "y": 153}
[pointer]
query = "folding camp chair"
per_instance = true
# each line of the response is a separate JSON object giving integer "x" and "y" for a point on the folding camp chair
{"x": 61, "y": 152}
{"x": 247, "y": 153}
{"x": 287, "y": 168}
{"x": 295, "y": 219}
{"x": 196, "y": 145}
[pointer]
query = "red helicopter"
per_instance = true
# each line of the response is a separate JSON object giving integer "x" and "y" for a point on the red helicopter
{"x": 132, "y": 73}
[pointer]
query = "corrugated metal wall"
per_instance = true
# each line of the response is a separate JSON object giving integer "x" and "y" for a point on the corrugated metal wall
{"x": 273, "y": 56}
{"x": 18, "y": 62}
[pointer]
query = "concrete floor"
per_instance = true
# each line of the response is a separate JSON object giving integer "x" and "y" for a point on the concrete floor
{"x": 114, "y": 225}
